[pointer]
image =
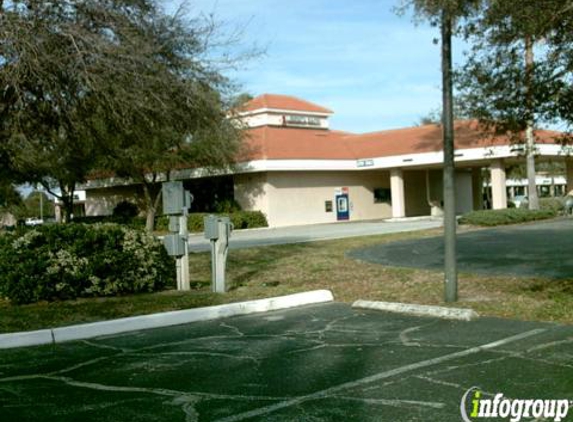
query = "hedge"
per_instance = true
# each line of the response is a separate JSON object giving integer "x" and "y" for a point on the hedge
{"x": 555, "y": 205}
{"x": 59, "y": 262}
{"x": 506, "y": 216}
{"x": 133, "y": 222}
{"x": 240, "y": 219}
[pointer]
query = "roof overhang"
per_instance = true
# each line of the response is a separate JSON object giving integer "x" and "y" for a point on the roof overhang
{"x": 470, "y": 157}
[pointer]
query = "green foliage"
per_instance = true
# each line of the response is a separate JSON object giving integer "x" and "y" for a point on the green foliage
{"x": 240, "y": 219}
{"x": 248, "y": 219}
{"x": 9, "y": 196}
{"x": 496, "y": 83}
{"x": 58, "y": 262}
{"x": 227, "y": 206}
{"x": 33, "y": 207}
{"x": 133, "y": 222}
{"x": 555, "y": 205}
{"x": 503, "y": 217}
{"x": 112, "y": 85}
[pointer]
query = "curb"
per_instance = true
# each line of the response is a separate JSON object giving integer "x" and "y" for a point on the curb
{"x": 164, "y": 319}
{"x": 460, "y": 314}
{"x": 413, "y": 219}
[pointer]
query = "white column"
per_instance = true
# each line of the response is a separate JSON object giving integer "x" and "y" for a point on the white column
{"x": 569, "y": 176}
{"x": 397, "y": 191}
{"x": 498, "y": 190}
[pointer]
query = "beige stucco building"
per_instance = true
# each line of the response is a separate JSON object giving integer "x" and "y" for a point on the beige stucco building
{"x": 300, "y": 171}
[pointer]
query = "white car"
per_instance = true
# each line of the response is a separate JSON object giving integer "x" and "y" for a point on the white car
{"x": 33, "y": 221}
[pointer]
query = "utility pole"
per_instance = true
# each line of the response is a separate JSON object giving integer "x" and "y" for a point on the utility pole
{"x": 533, "y": 200}
{"x": 450, "y": 264}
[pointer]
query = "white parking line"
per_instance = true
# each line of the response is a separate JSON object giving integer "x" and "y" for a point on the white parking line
{"x": 377, "y": 377}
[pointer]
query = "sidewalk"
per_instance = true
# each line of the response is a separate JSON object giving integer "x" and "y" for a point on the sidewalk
{"x": 312, "y": 233}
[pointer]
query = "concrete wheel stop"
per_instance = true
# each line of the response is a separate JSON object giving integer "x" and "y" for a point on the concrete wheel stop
{"x": 419, "y": 310}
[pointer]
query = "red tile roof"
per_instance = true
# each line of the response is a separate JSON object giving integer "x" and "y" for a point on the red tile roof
{"x": 275, "y": 143}
{"x": 283, "y": 102}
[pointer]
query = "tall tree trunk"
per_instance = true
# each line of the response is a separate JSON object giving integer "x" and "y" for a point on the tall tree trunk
{"x": 150, "y": 209}
{"x": 67, "y": 196}
{"x": 529, "y": 135}
{"x": 151, "y": 204}
{"x": 150, "y": 219}
{"x": 450, "y": 264}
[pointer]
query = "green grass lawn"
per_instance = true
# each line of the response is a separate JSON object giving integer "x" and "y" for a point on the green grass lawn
{"x": 278, "y": 270}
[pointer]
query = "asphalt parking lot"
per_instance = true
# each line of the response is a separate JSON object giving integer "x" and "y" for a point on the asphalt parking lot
{"x": 527, "y": 250}
{"x": 324, "y": 362}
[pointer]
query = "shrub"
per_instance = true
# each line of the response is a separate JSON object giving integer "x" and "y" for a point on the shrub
{"x": 507, "y": 216}
{"x": 133, "y": 222}
{"x": 162, "y": 223}
{"x": 240, "y": 219}
{"x": 555, "y": 205}
{"x": 195, "y": 222}
{"x": 248, "y": 219}
{"x": 227, "y": 206}
{"x": 58, "y": 262}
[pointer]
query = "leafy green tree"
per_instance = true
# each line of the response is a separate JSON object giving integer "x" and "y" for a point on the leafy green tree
{"x": 48, "y": 90}
{"x": 10, "y": 199}
{"x": 91, "y": 85}
{"x": 38, "y": 204}
{"x": 435, "y": 116}
{"x": 514, "y": 79}
{"x": 181, "y": 119}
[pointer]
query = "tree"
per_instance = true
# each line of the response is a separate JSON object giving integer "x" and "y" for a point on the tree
{"x": 435, "y": 116}
{"x": 181, "y": 121}
{"x": 445, "y": 13}
{"x": 38, "y": 204}
{"x": 48, "y": 99}
{"x": 503, "y": 84}
{"x": 9, "y": 197}
{"x": 111, "y": 84}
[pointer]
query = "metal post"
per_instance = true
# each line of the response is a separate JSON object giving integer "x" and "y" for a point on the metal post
{"x": 184, "y": 260}
{"x": 450, "y": 264}
{"x": 214, "y": 265}
{"x": 220, "y": 257}
{"x": 178, "y": 270}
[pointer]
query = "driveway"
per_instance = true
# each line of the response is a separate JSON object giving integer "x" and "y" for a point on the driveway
{"x": 542, "y": 249}
{"x": 311, "y": 233}
{"x": 317, "y": 363}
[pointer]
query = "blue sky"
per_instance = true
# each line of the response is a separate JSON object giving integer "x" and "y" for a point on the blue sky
{"x": 374, "y": 69}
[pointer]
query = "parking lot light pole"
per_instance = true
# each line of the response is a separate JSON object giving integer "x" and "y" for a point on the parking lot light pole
{"x": 450, "y": 264}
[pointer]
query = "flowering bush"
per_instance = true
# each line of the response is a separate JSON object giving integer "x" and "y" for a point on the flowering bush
{"x": 68, "y": 261}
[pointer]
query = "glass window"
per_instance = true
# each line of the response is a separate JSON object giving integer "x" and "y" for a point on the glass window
{"x": 382, "y": 195}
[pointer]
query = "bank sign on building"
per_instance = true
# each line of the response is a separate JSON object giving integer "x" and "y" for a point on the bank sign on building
{"x": 300, "y": 171}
